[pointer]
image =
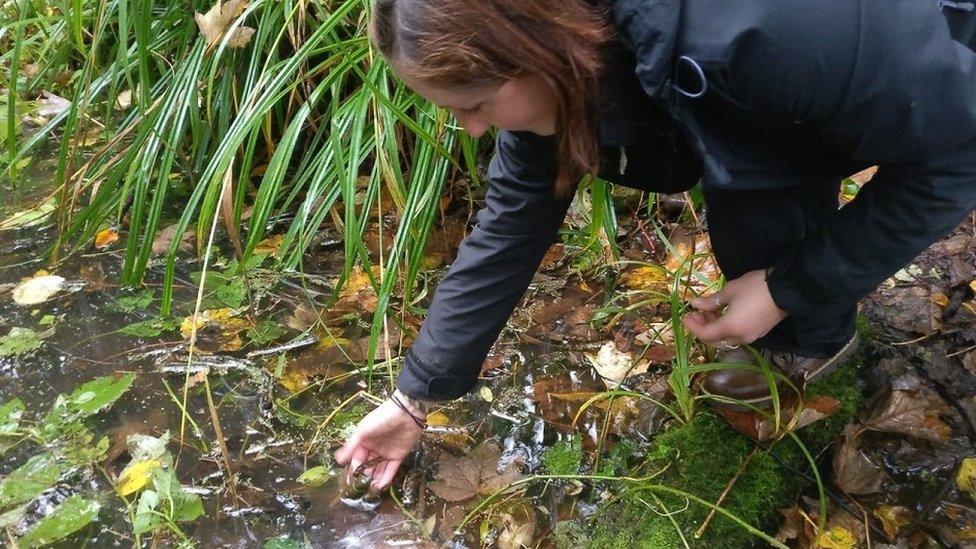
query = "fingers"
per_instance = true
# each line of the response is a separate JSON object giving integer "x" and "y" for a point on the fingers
{"x": 712, "y": 331}
{"x": 713, "y": 303}
{"x": 385, "y": 472}
{"x": 343, "y": 454}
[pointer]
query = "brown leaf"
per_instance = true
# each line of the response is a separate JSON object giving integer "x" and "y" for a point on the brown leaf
{"x": 515, "y": 534}
{"x": 905, "y": 413}
{"x": 762, "y": 426}
{"x": 303, "y": 318}
{"x": 358, "y": 293}
{"x": 815, "y": 409}
{"x": 218, "y": 18}
{"x": 792, "y": 526}
{"x": 893, "y": 518}
{"x": 461, "y": 478}
{"x": 452, "y": 517}
{"x": 864, "y": 176}
{"x": 853, "y": 472}
{"x": 165, "y": 237}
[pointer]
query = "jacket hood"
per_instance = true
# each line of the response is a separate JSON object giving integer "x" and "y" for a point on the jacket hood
{"x": 650, "y": 29}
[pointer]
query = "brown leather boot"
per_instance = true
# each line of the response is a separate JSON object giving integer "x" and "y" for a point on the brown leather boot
{"x": 750, "y": 387}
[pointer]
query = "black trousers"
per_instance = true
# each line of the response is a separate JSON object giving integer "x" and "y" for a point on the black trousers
{"x": 752, "y": 230}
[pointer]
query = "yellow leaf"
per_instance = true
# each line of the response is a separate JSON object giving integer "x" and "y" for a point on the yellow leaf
{"x": 648, "y": 277}
{"x": 486, "y": 394}
{"x": 837, "y": 537}
{"x": 893, "y": 518}
{"x": 295, "y": 380}
{"x": 966, "y": 477}
{"x": 224, "y": 321}
{"x": 438, "y": 419}
{"x": 270, "y": 246}
{"x": 106, "y": 238}
{"x": 136, "y": 476}
{"x": 973, "y": 285}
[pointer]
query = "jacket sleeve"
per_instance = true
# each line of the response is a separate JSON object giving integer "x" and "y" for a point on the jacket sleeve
{"x": 886, "y": 84}
{"x": 494, "y": 266}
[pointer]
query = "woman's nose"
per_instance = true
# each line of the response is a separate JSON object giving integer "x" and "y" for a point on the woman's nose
{"x": 473, "y": 125}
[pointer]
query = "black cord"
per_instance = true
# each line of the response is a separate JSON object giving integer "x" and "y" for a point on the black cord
{"x": 420, "y": 422}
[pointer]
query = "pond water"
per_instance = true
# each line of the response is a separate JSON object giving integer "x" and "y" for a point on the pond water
{"x": 284, "y": 401}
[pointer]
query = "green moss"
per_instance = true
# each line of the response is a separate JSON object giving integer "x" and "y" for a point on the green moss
{"x": 701, "y": 458}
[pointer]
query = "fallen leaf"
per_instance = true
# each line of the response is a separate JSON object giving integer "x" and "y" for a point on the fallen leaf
{"x": 966, "y": 477}
{"x": 853, "y": 472}
{"x": 837, "y": 537}
{"x": 792, "y": 526}
{"x": 51, "y": 105}
{"x": 123, "y": 100}
{"x": 909, "y": 274}
{"x": 691, "y": 257}
{"x": 165, "y": 237}
{"x": 461, "y": 478}
{"x": 864, "y": 176}
{"x": 515, "y": 535}
{"x": 218, "y": 18}
{"x": 106, "y": 238}
{"x": 87, "y": 138}
{"x": 647, "y": 277}
{"x": 815, "y": 409}
{"x": 136, "y": 476}
{"x": 450, "y": 520}
{"x": 270, "y": 246}
{"x": 358, "y": 293}
{"x": 893, "y": 518}
{"x": 486, "y": 394}
{"x": 762, "y": 426}
{"x": 37, "y": 290}
{"x": 438, "y": 419}
{"x": 222, "y": 325}
{"x": 316, "y": 476}
{"x": 905, "y": 413}
{"x": 613, "y": 365}
{"x": 302, "y": 318}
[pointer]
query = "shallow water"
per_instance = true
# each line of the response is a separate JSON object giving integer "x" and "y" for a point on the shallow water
{"x": 272, "y": 434}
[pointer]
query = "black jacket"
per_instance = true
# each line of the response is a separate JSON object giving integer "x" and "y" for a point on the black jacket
{"x": 750, "y": 94}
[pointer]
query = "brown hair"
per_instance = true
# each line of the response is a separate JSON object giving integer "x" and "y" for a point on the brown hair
{"x": 482, "y": 42}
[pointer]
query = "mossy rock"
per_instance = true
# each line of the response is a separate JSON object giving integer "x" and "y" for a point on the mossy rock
{"x": 701, "y": 457}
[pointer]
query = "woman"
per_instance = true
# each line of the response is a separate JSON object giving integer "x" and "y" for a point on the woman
{"x": 770, "y": 104}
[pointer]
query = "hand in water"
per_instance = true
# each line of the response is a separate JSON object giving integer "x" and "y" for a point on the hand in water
{"x": 382, "y": 440}
{"x": 741, "y": 312}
